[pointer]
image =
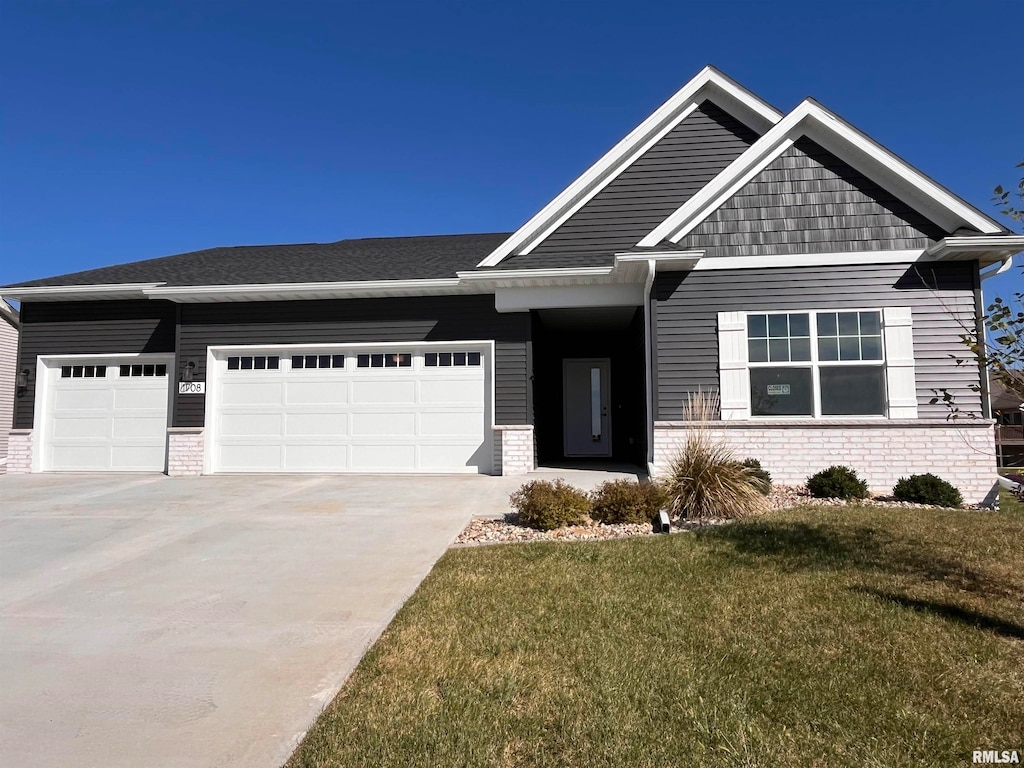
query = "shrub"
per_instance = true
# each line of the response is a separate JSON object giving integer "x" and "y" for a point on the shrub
{"x": 761, "y": 475}
{"x": 837, "y": 483}
{"x": 626, "y": 501}
{"x": 545, "y": 505}
{"x": 704, "y": 478}
{"x": 927, "y": 489}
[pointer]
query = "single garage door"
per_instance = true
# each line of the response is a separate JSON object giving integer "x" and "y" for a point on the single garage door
{"x": 354, "y": 409}
{"x": 106, "y": 414}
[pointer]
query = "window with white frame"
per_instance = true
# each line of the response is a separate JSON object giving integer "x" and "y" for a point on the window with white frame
{"x": 816, "y": 363}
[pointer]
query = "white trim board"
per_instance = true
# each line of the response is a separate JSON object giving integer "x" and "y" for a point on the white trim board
{"x": 839, "y": 137}
{"x": 708, "y": 84}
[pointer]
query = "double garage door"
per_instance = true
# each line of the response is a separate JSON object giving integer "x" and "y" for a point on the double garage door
{"x": 389, "y": 408}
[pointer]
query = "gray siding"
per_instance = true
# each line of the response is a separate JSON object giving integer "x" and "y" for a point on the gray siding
{"x": 943, "y": 303}
{"x": 82, "y": 328}
{"x": 361, "y": 320}
{"x": 810, "y": 201}
{"x": 647, "y": 192}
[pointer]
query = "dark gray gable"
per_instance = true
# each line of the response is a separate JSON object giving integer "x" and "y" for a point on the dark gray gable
{"x": 645, "y": 193}
{"x": 810, "y": 201}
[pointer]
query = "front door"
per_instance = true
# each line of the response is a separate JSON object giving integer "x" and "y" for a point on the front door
{"x": 585, "y": 407}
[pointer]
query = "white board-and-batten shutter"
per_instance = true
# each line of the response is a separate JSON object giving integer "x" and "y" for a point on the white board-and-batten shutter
{"x": 733, "y": 376}
{"x": 901, "y": 388}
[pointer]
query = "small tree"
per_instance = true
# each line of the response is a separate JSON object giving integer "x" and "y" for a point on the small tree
{"x": 1000, "y": 351}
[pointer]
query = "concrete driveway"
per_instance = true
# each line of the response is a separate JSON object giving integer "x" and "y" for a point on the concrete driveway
{"x": 150, "y": 621}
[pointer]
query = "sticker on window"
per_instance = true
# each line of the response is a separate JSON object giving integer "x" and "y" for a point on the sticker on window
{"x": 778, "y": 389}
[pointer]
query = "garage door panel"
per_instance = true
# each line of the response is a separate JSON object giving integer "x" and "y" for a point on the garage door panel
{"x": 245, "y": 457}
{"x": 81, "y": 458}
{"x": 313, "y": 458}
{"x": 139, "y": 426}
{"x": 251, "y": 424}
{"x": 384, "y": 391}
{"x": 449, "y": 391}
{"x": 252, "y": 393}
{"x": 451, "y": 423}
{"x": 444, "y": 455}
{"x": 315, "y": 424}
{"x": 132, "y": 458}
{"x": 73, "y": 427}
{"x": 316, "y": 393}
{"x": 149, "y": 398}
{"x": 382, "y": 457}
{"x": 384, "y": 424}
{"x": 76, "y": 397}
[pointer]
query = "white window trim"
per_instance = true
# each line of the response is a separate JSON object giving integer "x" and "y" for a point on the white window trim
{"x": 897, "y": 365}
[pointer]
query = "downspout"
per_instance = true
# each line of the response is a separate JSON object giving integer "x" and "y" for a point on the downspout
{"x": 979, "y": 330}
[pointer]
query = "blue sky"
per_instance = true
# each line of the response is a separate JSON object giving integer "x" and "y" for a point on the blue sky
{"x": 134, "y": 130}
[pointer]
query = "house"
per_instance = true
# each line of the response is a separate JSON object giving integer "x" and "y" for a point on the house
{"x": 1008, "y": 411}
{"x": 8, "y": 357}
{"x": 787, "y": 261}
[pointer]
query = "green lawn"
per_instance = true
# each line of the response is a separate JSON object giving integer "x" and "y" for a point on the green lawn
{"x": 814, "y": 637}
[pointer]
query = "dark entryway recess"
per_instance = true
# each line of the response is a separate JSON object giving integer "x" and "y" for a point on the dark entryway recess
{"x": 616, "y": 333}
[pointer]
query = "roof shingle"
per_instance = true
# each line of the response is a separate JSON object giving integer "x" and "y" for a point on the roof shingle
{"x": 381, "y": 258}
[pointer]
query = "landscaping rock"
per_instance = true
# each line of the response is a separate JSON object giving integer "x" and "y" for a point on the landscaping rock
{"x": 506, "y": 531}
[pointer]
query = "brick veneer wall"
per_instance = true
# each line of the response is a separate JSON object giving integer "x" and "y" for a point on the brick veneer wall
{"x": 881, "y": 452}
{"x": 513, "y": 449}
{"x": 19, "y": 451}
{"x": 185, "y": 447}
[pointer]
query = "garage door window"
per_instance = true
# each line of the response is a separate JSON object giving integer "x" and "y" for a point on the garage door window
{"x": 127, "y": 371}
{"x": 385, "y": 360}
{"x": 306, "y": 362}
{"x": 449, "y": 359}
{"x": 83, "y": 371}
{"x": 254, "y": 363}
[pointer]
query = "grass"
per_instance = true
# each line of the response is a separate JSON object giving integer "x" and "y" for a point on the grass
{"x": 813, "y": 637}
{"x": 1009, "y": 503}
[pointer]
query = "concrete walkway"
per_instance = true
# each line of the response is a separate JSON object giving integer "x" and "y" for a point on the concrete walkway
{"x": 150, "y": 621}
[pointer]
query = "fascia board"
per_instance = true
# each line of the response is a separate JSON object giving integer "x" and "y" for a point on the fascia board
{"x": 66, "y": 292}
{"x": 624, "y": 152}
{"x": 269, "y": 292}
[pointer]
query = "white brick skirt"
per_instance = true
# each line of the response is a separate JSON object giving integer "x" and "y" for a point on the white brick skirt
{"x": 19, "y": 451}
{"x": 513, "y": 449}
{"x": 880, "y": 452}
{"x": 185, "y": 447}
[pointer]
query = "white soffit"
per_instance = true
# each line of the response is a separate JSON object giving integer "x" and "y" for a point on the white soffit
{"x": 709, "y": 84}
{"x": 842, "y": 139}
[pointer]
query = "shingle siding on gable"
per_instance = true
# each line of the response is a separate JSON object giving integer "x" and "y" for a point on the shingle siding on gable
{"x": 647, "y": 192}
{"x": 941, "y": 297}
{"x": 810, "y": 201}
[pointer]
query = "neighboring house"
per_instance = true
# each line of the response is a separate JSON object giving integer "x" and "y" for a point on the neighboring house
{"x": 809, "y": 275}
{"x": 8, "y": 359}
{"x": 1008, "y": 411}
